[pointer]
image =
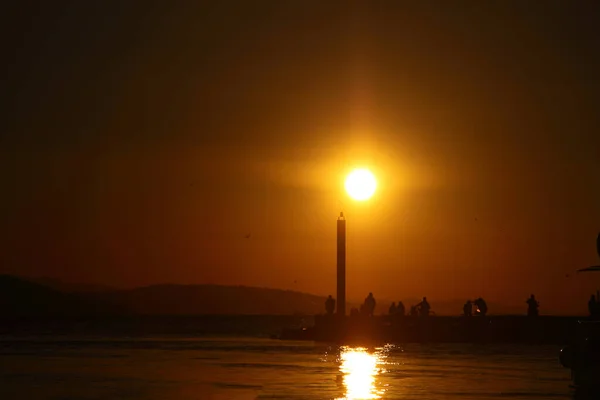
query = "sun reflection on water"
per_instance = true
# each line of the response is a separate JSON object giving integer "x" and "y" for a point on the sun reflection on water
{"x": 360, "y": 369}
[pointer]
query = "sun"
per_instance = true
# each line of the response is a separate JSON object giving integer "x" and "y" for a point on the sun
{"x": 361, "y": 184}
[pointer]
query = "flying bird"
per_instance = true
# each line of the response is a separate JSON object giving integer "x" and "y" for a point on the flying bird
{"x": 247, "y": 236}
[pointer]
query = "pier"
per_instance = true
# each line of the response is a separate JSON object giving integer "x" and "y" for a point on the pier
{"x": 554, "y": 330}
{"x": 425, "y": 328}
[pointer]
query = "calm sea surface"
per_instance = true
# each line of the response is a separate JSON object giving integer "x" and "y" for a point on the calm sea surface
{"x": 240, "y": 369}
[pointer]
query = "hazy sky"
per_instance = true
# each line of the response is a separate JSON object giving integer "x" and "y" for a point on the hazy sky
{"x": 140, "y": 145}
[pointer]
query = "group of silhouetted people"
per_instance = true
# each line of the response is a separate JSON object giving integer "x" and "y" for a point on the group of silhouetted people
{"x": 532, "y": 307}
{"x": 397, "y": 309}
{"x": 424, "y": 309}
{"x": 421, "y": 309}
{"x": 367, "y": 308}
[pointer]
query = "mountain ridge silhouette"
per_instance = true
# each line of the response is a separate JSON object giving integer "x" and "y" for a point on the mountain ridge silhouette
{"x": 46, "y": 296}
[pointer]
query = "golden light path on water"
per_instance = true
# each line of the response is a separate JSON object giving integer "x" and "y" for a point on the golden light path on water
{"x": 360, "y": 369}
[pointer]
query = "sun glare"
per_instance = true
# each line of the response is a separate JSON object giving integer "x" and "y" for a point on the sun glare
{"x": 360, "y": 370}
{"x": 360, "y": 184}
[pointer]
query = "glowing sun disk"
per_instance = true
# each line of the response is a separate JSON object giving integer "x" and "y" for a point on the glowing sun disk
{"x": 360, "y": 184}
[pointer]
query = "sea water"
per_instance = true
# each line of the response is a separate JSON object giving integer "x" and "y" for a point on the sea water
{"x": 250, "y": 368}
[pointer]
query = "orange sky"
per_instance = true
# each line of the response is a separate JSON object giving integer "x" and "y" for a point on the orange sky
{"x": 145, "y": 154}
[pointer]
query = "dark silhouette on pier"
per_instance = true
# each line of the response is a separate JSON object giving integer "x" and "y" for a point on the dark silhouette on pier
{"x": 369, "y": 305}
{"x": 400, "y": 309}
{"x": 423, "y": 308}
{"x": 330, "y": 305}
{"x": 481, "y": 305}
{"x": 468, "y": 309}
{"x": 532, "y": 306}
{"x": 392, "y": 310}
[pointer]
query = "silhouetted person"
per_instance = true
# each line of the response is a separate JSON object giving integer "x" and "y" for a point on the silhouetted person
{"x": 468, "y": 309}
{"x": 481, "y": 307}
{"x": 424, "y": 307}
{"x": 400, "y": 310}
{"x": 370, "y": 304}
{"x": 533, "y": 307}
{"x": 392, "y": 310}
{"x": 330, "y": 305}
{"x": 593, "y": 306}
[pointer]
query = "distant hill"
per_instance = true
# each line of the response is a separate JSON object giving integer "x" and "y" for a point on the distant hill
{"x": 44, "y": 296}
{"x": 21, "y": 297}
{"x": 214, "y": 299}
{"x": 70, "y": 287}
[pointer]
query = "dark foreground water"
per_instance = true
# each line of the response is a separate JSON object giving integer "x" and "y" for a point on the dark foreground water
{"x": 244, "y": 369}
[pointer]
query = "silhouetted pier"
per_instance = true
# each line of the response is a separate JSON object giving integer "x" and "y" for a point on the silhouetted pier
{"x": 422, "y": 327}
{"x": 439, "y": 329}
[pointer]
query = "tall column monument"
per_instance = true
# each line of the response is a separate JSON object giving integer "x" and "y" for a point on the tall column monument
{"x": 341, "y": 265}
